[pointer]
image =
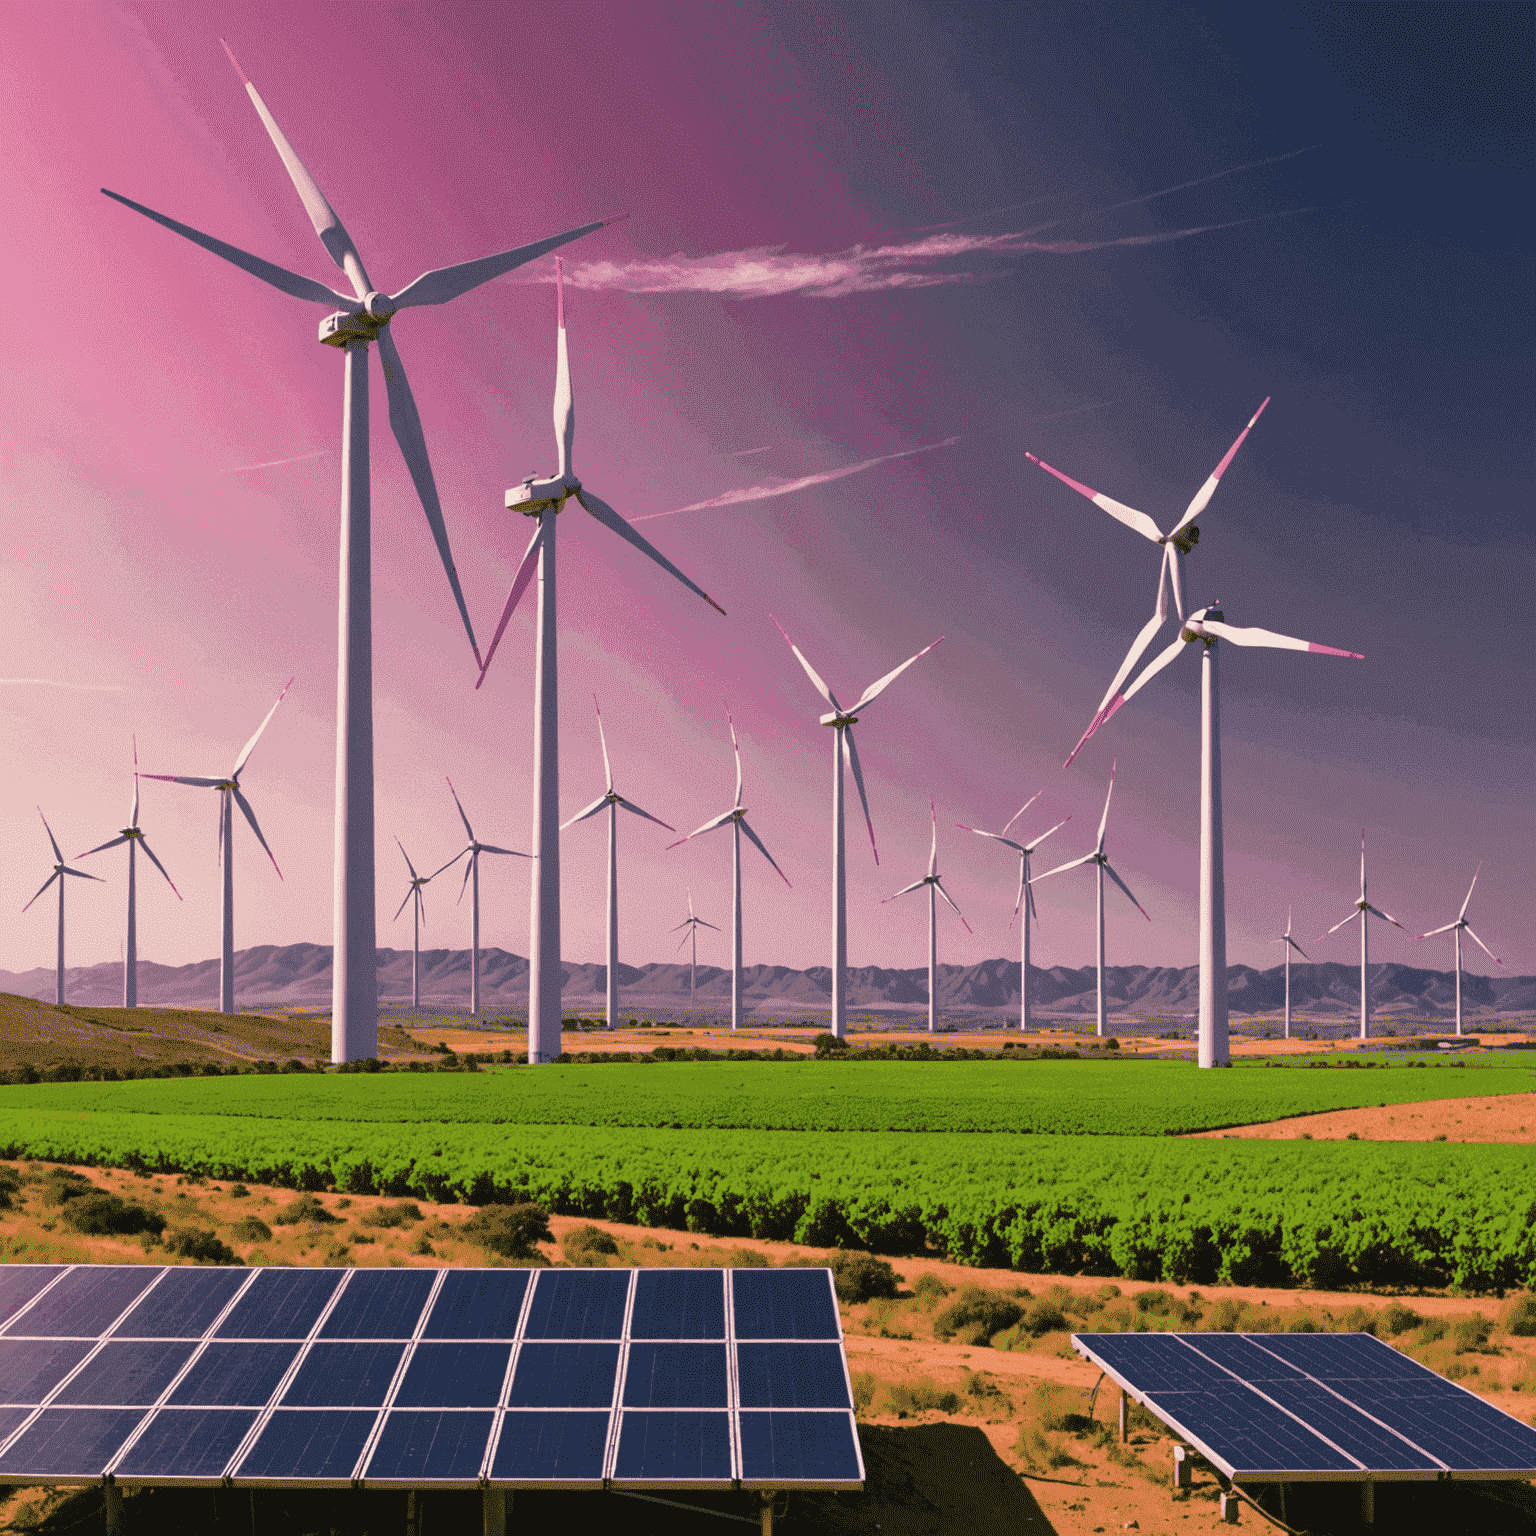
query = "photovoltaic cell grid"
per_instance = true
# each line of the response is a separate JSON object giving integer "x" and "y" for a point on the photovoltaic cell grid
{"x": 666, "y": 1378}
{"x": 1299, "y": 1407}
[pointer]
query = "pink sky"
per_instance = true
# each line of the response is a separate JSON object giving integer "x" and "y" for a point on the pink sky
{"x": 168, "y": 465}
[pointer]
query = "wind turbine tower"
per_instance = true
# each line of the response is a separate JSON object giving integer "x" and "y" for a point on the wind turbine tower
{"x": 60, "y": 869}
{"x": 692, "y": 924}
{"x": 1456, "y": 928}
{"x": 1363, "y": 912}
{"x": 472, "y": 875}
{"x": 1290, "y": 944}
{"x": 935, "y": 889}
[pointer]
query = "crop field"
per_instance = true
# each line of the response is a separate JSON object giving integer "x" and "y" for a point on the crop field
{"x": 1061, "y": 1098}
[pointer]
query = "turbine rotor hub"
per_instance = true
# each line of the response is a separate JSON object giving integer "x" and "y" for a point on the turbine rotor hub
{"x": 347, "y": 326}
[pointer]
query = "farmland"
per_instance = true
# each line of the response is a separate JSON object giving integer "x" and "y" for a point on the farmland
{"x": 1060, "y": 1098}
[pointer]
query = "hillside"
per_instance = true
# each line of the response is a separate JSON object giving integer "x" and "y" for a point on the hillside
{"x": 299, "y": 976}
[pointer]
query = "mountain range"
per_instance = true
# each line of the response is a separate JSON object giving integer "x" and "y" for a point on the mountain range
{"x": 299, "y": 976}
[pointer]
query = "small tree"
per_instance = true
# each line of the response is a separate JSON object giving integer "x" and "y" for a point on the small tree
{"x": 828, "y": 1045}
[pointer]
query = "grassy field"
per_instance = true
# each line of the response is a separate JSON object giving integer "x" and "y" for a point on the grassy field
{"x": 1083, "y": 1098}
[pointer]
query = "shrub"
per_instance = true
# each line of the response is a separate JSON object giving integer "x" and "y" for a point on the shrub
{"x": 101, "y": 1214}
{"x": 905, "y": 1399}
{"x": 741, "y": 1258}
{"x": 860, "y": 1277}
{"x": 979, "y": 1313}
{"x": 64, "y": 1184}
{"x": 1043, "y": 1316}
{"x": 305, "y": 1208}
{"x": 402, "y": 1214}
{"x": 1471, "y": 1333}
{"x": 1432, "y": 1331}
{"x": 1520, "y": 1319}
{"x": 238, "y": 1192}
{"x": 10, "y": 1187}
{"x": 864, "y": 1385}
{"x": 828, "y": 1045}
{"x": 1396, "y": 1319}
{"x": 251, "y": 1229}
{"x": 202, "y": 1247}
{"x": 513, "y": 1231}
{"x": 588, "y": 1246}
{"x": 929, "y": 1291}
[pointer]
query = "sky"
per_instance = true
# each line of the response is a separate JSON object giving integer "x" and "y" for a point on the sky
{"x": 876, "y": 255}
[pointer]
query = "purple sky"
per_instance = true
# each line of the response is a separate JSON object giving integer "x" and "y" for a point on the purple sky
{"x": 781, "y": 306}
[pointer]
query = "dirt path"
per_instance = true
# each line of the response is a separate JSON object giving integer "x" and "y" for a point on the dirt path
{"x": 1506, "y": 1118}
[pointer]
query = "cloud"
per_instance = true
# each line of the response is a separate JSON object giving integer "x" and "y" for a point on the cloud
{"x": 48, "y": 682}
{"x": 298, "y": 458}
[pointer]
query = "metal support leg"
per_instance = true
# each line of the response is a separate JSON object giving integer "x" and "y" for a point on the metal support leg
{"x": 1125, "y": 1416}
{"x": 1368, "y": 1502}
{"x": 112, "y": 1497}
{"x": 411, "y": 1526}
{"x": 767, "y": 1513}
{"x": 1230, "y": 1504}
{"x": 1183, "y": 1471}
{"x": 495, "y": 1501}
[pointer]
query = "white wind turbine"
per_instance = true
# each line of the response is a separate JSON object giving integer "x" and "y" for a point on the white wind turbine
{"x": 1099, "y": 859}
{"x": 692, "y": 924}
{"x": 230, "y": 796}
{"x": 363, "y": 317}
{"x": 472, "y": 874}
{"x": 60, "y": 869}
{"x": 1290, "y": 944}
{"x": 842, "y": 722}
{"x": 1363, "y": 911}
{"x": 133, "y": 837}
{"x": 1206, "y": 626}
{"x": 736, "y": 819}
{"x": 1456, "y": 928}
{"x": 413, "y": 892}
{"x": 1179, "y": 540}
{"x": 610, "y": 800}
{"x": 542, "y": 500}
{"x": 1026, "y": 897}
{"x": 935, "y": 890}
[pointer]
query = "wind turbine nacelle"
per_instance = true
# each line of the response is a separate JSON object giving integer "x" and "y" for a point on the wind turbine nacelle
{"x": 342, "y": 327}
{"x": 537, "y": 495}
{"x": 1185, "y": 539}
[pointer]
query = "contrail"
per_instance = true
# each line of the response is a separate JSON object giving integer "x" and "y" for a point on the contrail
{"x": 48, "y": 682}
{"x": 298, "y": 458}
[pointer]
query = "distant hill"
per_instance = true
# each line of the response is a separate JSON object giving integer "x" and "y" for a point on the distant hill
{"x": 299, "y": 976}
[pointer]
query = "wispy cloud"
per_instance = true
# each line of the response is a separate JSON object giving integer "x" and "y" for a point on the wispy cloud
{"x": 789, "y": 487}
{"x": 298, "y": 458}
{"x": 770, "y": 271}
{"x": 49, "y": 682}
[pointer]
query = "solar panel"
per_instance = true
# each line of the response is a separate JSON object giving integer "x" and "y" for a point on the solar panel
{"x": 1313, "y": 1407}
{"x": 409, "y": 1377}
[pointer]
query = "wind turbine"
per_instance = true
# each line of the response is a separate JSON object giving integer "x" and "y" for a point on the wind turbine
{"x": 612, "y": 801}
{"x": 472, "y": 873}
{"x": 842, "y": 722}
{"x": 1101, "y": 861}
{"x": 1364, "y": 910}
{"x": 413, "y": 892}
{"x": 363, "y": 317}
{"x": 60, "y": 869}
{"x": 543, "y": 500}
{"x": 935, "y": 890}
{"x": 1290, "y": 944}
{"x": 1206, "y": 626}
{"x": 1026, "y": 898}
{"x": 133, "y": 837}
{"x": 1179, "y": 540}
{"x": 736, "y": 819}
{"x": 1456, "y": 928}
{"x": 230, "y": 796}
{"x": 692, "y": 924}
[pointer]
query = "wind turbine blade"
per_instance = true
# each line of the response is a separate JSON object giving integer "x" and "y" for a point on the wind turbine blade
{"x": 1018, "y": 901}
{"x": 591, "y": 810}
{"x": 158, "y": 865}
{"x": 1104, "y": 819}
{"x": 736, "y": 748}
{"x": 1108, "y": 870}
{"x": 602, "y": 735}
{"x": 851, "y": 752}
{"x": 611, "y": 519}
{"x": 46, "y": 883}
{"x": 1164, "y": 658}
{"x": 1117, "y": 510}
{"x": 916, "y": 885}
{"x": 682, "y": 941}
{"x": 939, "y": 887}
{"x": 1362, "y": 863}
{"x": 444, "y": 283}
{"x": 409, "y": 892}
{"x": 757, "y": 843}
{"x": 1435, "y": 932}
{"x": 250, "y": 816}
{"x": 1007, "y": 842}
{"x": 268, "y": 271}
{"x": 874, "y": 690}
{"x": 113, "y": 844}
{"x": 634, "y": 810}
{"x": 1468, "y": 902}
{"x": 690, "y": 904}
{"x": 1057, "y": 828}
{"x": 487, "y": 848}
{"x": 449, "y": 865}
{"x": 80, "y": 874}
{"x": 709, "y": 826}
{"x": 810, "y": 671}
{"x": 1029, "y": 895}
{"x": 404, "y": 855}
{"x": 1018, "y": 812}
{"x": 1132, "y": 656}
{"x": 1352, "y": 916}
{"x": 1484, "y": 947}
{"x": 421, "y": 905}
{"x": 702, "y": 924}
{"x": 250, "y": 746}
{"x": 1206, "y": 491}
{"x": 525, "y": 572}
{"x": 1386, "y": 917}
{"x": 1267, "y": 637}
{"x": 933, "y": 851}
{"x": 58, "y": 857}
{"x": 133, "y": 819}
{"x": 462, "y": 817}
{"x": 1087, "y": 858}
{"x": 469, "y": 869}
{"x": 565, "y": 399}
{"x": 1297, "y": 947}
{"x": 332, "y": 233}
{"x": 177, "y": 778}
{"x": 1176, "y": 576}
{"x": 405, "y": 423}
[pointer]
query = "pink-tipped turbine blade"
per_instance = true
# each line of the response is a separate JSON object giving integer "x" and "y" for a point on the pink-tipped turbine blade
{"x": 512, "y": 852}
{"x": 250, "y": 816}
{"x": 1268, "y": 638}
{"x": 709, "y": 826}
{"x": 1108, "y": 870}
{"x": 525, "y": 573}
{"x": 998, "y": 837}
{"x": 1468, "y": 902}
{"x": 602, "y": 736}
{"x": 1386, "y": 917}
{"x": 44, "y": 886}
{"x": 1132, "y": 656}
{"x": 1087, "y": 858}
{"x": 757, "y": 843}
{"x": 144, "y": 844}
{"x": 599, "y": 804}
{"x": 611, "y": 520}
{"x": 462, "y": 817}
{"x": 250, "y": 746}
{"x": 80, "y": 874}
{"x": 1018, "y": 812}
{"x": 810, "y": 671}
{"x": 736, "y": 748}
{"x": 933, "y": 851}
{"x": 916, "y": 885}
{"x": 1104, "y": 819}
{"x": 1117, "y": 510}
{"x": 874, "y": 690}
{"x": 1206, "y": 491}
{"x": 1434, "y": 932}
{"x": 938, "y": 885}
{"x": 1484, "y": 947}
{"x": 1057, "y": 828}
{"x": 1024, "y": 894}
{"x": 404, "y": 855}
{"x": 565, "y": 400}
{"x": 58, "y": 857}
{"x": 449, "y": 865}
{"x": 634, "y": 810}
{"x": 851, "y": 753}
{"x": 133, "y": 819}
{"x": 1352, "y": 916}
{"x": 102, "y": 847}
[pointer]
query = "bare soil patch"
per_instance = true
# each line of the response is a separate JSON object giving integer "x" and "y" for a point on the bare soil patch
{"x": 1507, "y": 1118}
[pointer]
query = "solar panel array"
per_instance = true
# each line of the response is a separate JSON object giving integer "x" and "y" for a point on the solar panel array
{"x": 1316, "y": 1407}
{"x": 570, "y": 1378}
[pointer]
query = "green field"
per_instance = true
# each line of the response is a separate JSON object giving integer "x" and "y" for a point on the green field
{"x": 1086, "y": 1098}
